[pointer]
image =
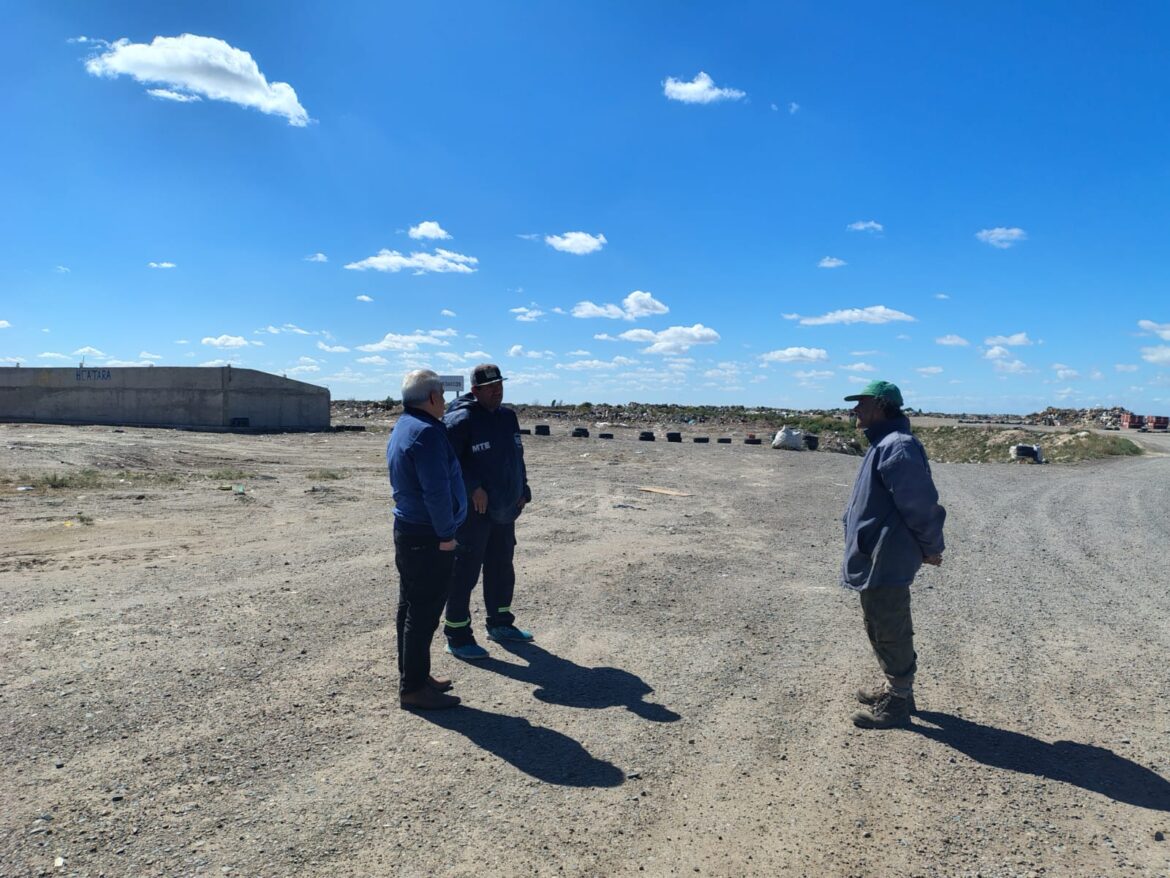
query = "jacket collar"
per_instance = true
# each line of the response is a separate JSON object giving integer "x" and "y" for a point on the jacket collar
{"x": 421, "y": 415}
{"x": 877, "y": 432}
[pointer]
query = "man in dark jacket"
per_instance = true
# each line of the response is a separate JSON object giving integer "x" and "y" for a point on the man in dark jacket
{"x": 430, "y": 503}
{"x": 486, "y": 438}
{"x": 893, "y": 525}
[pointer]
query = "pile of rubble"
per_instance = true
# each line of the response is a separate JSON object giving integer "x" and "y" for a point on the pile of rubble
{"x": 353, "y": 409}
{"x": 1054, "y": 417}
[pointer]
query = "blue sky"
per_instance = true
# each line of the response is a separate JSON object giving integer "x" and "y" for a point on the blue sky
{"x": 759, "y": 204}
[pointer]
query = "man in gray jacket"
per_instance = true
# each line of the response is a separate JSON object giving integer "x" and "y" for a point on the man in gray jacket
{"x": 893, "y": 525}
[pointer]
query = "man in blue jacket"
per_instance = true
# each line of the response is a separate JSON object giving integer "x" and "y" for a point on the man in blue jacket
{"x": 486, "y": 438}
{"x": 893, "y": 525}
{"x": 430, "y": 503}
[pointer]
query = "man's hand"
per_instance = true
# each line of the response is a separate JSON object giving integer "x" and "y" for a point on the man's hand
{"x": 479, "y": 500}
{"x": 447, "y": 545}
{"x": 934, "y": 560}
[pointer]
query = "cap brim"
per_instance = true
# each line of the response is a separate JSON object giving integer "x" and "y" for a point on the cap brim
{"x": 486, "y": 383}
{"x": 855, "y": 398}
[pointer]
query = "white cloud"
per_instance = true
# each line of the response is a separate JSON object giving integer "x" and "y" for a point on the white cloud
{"x": 178, "y": 97}
{"x": 873, "y": 314}
{"x": 1017, "y": 339}
{"x": 147, "y": 355}
{"x": 526, "y": 315}
{"x": 1126, "y": 367}
{"x": 4, "y": 324}
{"x": 812, "y": 374}
{"x": 363, "y": 298}
{"x": 440, "y": 262}
{"x": 589, "y": 365}
{"x": 1162, "y": 330}
{"x": 61, "y": 269}
{"x": 604, "y": 336}
{"x": 306, "y": 369}
{"x": 588, "y": 309}
{"x": 516, "y": 350}
{"x": 284, "y": 327}
{"x": 700, "y": 90}
{"x": 200, "y": 67}
{"x": 636, "y": 304}
{"x": 941, "y": 296}
{"x": 865, "y": 226}
{"x": 126, "y": 364}
{"x": 578, "y": 243}
{"x": 88, "y": 351}
{"x": 332, "y": 349}
{"x": 578, "y": 353}
{"x": 795, "y": 355}
{"x": 447, "y": 312}
{"x": 859, "y": 367}
{"x": 394, "y": 342}
{"x": 831, "y": 262}
{"x": 1014, "y": 367}
{"x": 952, "y": 341}
{"x": 997, "y": 353}
{"x": 182, "y": 341}
{"x": 1001, "y": 238}
{"x": 317, "y": 257}
{"x": 53, "y": 355}
{"x": 1065, "y": 373}
{"x": 226, "y": 341}
{"x": 445, "y": 333}
{"x": 793, "y": 106}
{"x": 430, "y": 230}
{"x": 162, "y": 265}
{"x": 1159, "y": 355}
{"x": 927, "y": 371}
{"x": 374, "y": 360}
{"x": 674, "y": 340}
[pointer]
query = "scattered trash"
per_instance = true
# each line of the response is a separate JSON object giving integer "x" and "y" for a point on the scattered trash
{"x": 24, "y": 487}
{"x": 789, "y": 438}
{"x": 1027, "y": 452}
{"x": 628, "y": 506}
{"x": 671, "y": 492}
{"x": 811, "y": 441}
{"x": 238, "y": 488}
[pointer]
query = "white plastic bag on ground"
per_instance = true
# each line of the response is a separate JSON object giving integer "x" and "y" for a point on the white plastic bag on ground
{"x": 790, "y": 438}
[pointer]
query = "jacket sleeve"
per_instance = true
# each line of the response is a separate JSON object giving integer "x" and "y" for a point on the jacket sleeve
{"x": 429, "y": 452}
{"x": 906, "y": 475}
{"x": 458, "y": 424}
{"x": 527, "y": 492}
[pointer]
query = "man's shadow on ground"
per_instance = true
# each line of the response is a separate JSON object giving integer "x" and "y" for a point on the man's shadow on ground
{"x": 1083, "y": 765}
{"x": 560, "y": 681}
{"x": 544, "y": 754}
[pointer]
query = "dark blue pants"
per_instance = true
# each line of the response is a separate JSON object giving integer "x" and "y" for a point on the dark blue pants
{"x": 488, "y": 546}
{"x": 424, "y": 578}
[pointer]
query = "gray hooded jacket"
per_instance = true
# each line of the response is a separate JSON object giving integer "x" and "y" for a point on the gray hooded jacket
{"x": 893, "y": 519}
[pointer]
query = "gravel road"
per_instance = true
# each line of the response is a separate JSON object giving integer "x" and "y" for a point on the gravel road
{"x": 196, "y": 682}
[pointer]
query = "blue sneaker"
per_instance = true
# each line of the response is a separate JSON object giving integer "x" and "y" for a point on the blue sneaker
{"x": 469, "y": 652}
{"x": 500, "y": 633}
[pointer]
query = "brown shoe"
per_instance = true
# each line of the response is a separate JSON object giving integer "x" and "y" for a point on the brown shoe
{"x": 440, "y": 684}
{"x": 888, "y": 713}
{"x": 427, "y": 698}
{"x": 877, "y": 693}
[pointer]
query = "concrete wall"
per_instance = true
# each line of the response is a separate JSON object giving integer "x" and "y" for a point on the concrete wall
{"x": 163, "y": 396}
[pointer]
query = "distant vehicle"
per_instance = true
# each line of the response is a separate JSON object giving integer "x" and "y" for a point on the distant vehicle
{"x": 1132, "y": 422}
{"x": 1158, "y": 422}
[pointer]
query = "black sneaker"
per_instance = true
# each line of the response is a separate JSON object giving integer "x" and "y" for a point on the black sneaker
{"x": 877, "y": 693}
{"x": 889, "y": 712}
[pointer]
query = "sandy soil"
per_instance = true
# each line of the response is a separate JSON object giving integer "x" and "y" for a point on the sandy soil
{"x": 196, "y": 682}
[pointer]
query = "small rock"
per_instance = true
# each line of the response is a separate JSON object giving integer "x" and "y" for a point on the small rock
{"x": 1159, "y": 836}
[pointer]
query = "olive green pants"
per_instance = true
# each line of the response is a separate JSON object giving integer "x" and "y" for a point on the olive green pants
{"x": 891, "y": 633}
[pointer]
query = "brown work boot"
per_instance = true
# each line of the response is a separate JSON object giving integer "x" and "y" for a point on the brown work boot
{"x": 877, "y": 693}
{"x": 427, "y": 698}
{"x": 889, "y": 712}
{"x": 440, "y": 684}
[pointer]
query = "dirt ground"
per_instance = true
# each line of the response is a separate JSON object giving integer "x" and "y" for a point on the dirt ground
{"x": 195, "y": 681}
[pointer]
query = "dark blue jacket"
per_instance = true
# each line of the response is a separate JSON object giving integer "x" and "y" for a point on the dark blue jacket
{"x": 490, "y": 453}
{"x": 429, "y": 498}
{"x": 893, "y": 519}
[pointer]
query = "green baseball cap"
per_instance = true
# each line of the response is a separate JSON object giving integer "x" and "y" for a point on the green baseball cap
{"x": 883, "y": 390}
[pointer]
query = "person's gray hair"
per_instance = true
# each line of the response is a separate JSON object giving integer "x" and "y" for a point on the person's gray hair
{"x": 418, "y": 386}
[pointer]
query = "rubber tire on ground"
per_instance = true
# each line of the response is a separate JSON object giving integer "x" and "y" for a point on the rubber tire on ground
{"x": 542, "y": 430}
{"x": 524, "y": 431}
{"x": 646, "y": 436}
{"x": 724, "y": 440}
{"x": 674, "y": 437}
{"x": 605, "y": 435}
{"x": 702, "y": 440}
{"x": 580, "y": 433}
{"x": 752, "y": 441}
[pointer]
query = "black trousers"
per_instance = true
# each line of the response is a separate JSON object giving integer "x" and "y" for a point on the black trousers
{"x": 424, "y": 578}
{"x": 488, "y": 546}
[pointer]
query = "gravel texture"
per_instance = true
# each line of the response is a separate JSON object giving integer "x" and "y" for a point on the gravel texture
{"x": 199, "y": 682}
